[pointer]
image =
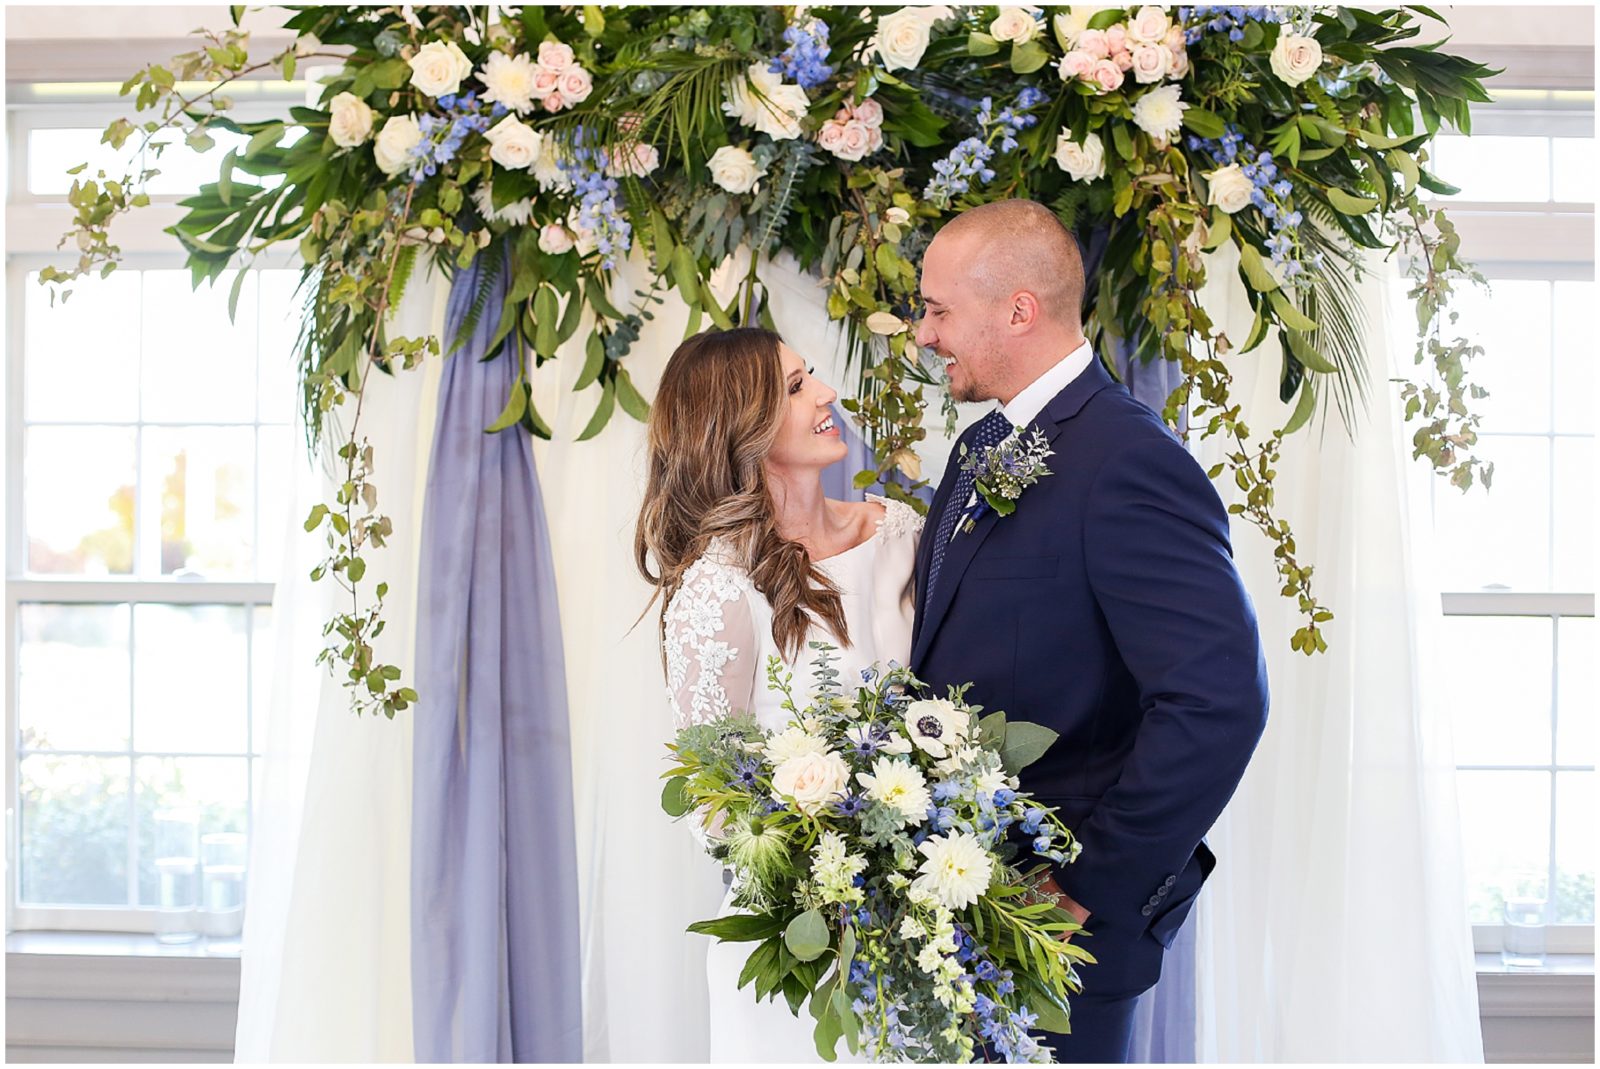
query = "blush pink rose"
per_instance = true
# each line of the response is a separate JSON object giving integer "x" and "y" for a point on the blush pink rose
{"x": 1123, "y": 60}
{"x": 555, "y": 55}
{"x": 1108, "y": 76}
{"x": 1180, "y": 64}
{"x": 1175, "y": 39}
{"x": 576, "y": 85}
{"x": 853, "y": 145}
{"x": 545, "y": 80}
{"x": 870, "y": 112}
{"x": 553, "y": 102}
{"x": 1094, "y": 43}
{"x": 831, "y": 136}
{"x": 1076, "y": 64}
{"x": 874, "y": 139}
{"x": 1117, "y": 39}
{"x": 1150, "y": 63}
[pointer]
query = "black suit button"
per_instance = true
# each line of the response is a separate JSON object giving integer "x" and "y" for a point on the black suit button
{"x": 1162, "y": 893}
{"x": 1155, "y": 899}
{"x": 1170, "y": 881}
{"x": 1147, "y": 910}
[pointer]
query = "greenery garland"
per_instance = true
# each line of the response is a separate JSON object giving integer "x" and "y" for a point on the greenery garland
{"x": 556, "y": 139}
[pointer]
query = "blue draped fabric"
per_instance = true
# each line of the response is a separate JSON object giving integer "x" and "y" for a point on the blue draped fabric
{"x": 494, "y": 897}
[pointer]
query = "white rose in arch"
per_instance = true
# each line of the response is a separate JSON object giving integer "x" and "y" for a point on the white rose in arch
{"x": 554, "y": 239}
{"x": 1085, "y": 162}
{"x": 1230, "y": 189}
{"x": 1295, "y": 59}
{"x": 438, "y": 68}
{"x": 1150, "y": 63}
{"x": 514, "y": 145}
{"x": 734, "y": 169}
{"x": 902, "y": 38}
{"x": 392, "y": 149}
{"x": 1014, "y": 24}
{"x": 349, "y": 120}
{"x": 1148, "y": 25}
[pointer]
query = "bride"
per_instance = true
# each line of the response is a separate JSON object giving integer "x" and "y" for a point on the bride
{"x": 752, "y": 561}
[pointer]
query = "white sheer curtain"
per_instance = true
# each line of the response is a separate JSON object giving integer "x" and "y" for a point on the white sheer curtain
{"x": 1335, "y": 927}
{"x": 326, "y": 962}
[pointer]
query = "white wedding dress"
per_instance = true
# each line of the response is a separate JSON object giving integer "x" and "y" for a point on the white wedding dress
{"x": 718, "y": 639}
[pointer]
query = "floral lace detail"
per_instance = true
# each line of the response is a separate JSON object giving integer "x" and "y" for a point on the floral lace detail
{"x": 696, "y": 652}
{"x": 899, "y": 518}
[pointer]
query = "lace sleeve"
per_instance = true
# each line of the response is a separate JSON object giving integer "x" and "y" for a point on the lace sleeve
{"x": 710, "y": 644}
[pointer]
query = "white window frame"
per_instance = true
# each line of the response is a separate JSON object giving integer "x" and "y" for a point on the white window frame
{"x": 1547, "y": 241}
{"x": 34, "y": 224}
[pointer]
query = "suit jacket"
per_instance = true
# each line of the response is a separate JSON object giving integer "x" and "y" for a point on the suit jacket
{"x": 1107, "y": 608}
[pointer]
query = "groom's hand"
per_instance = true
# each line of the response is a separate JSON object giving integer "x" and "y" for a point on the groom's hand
{"x": 1064, "y": 900}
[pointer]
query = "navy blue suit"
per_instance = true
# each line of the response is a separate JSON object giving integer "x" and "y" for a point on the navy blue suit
{"x": 1108, "y": 609}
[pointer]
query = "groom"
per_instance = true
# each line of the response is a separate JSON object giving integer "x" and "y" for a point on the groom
{"x": 1106, "y": 607}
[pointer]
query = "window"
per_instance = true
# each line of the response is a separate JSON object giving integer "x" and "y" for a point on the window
{"x": 1517, "y": 563}
{"x": 150, "y": 445}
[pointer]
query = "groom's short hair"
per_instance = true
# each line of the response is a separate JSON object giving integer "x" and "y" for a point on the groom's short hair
{"x": 1020, "y": 244}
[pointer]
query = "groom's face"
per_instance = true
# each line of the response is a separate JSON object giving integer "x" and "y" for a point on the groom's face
{"x": 962, "y": 323}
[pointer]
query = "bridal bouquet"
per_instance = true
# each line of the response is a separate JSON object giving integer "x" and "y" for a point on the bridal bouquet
{"x": 873, "y": 842}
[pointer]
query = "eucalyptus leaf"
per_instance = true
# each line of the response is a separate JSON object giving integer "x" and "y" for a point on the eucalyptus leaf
{"x": 807, "y": 935}
{"x": 1025, "y": 743}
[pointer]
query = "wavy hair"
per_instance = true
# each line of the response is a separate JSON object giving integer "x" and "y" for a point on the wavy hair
{"x": 717, "y": 413}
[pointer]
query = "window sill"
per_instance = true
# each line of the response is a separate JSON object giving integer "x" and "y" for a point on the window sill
{"x": 1554, "y": 965}
{"x": 116, "y": 945}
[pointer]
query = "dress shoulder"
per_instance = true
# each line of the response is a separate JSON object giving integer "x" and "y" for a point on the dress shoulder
{"x": 899, "y": 519}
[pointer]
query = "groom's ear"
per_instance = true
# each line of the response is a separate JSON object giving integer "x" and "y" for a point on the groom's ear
{"x": 1025, "y": 310}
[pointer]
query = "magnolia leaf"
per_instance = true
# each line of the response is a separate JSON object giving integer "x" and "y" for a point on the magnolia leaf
{"x": 1308, "y": 355}
{"x": 602, "y": 414}
{"x": 1028, "y": 57}
{"x": 546, "y": 319}
{"x": 515, "y": 406}
{"x": 594, "y": 361}
{"x": 632, "y": 402}
{"x": 1348, "y": 203}
{"x": 740, "y": 927}
{"x": 675, "y": 796}
{"x": 807, "y": 936}
{"x": 1255, "y": 269}
{"x": 981, "y": 44}
{"x": 1221, "y": 230}
{"x": 1303, "y": 410}
{"x": 885, "y": 323}
{"x": 1288, "y": 314}
{"x": 1203, "y": 122}
{"x": 1025, "y": 743}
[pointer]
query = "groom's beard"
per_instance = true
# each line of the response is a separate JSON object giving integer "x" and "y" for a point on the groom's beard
{"x": 966, "y": 385}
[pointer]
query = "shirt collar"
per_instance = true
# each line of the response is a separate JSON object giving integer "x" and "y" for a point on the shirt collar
{"x": 1026, "y": 406}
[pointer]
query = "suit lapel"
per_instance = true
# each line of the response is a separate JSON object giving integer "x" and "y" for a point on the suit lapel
{"x": 1053, "y": 420}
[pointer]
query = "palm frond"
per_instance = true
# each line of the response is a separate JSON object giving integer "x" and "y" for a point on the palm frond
{"x": 1341, "y": 320}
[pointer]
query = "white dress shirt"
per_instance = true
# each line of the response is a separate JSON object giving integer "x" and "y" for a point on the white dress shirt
{"x": 1026, "y": 406}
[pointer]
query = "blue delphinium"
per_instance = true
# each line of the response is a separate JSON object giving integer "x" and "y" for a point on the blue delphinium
{"x": 806, "y": 59}
{"x": 443, "y": 135}
{"x": 598, "y": 209}
{"x": 968, "y": 163}
{"x": 1228, "y": 19}
{"x": 1272, "y": 196}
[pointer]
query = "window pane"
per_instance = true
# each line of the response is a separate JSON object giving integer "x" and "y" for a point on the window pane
{"x": 198, "y": 367}
{"x": 1573, "y": 501}
{"x": 51, "y": 153}
{"x": 72, "y": 664}
{"x": 1497, "y": 692}
{"x": 199, "y": 482}
{"x": 77, "y": 488}
{"x": 1574, "y": 357}
{"x": 1505, "y": 829}
{"x": 74, "y": 830}
{"x": 1493, "y": 168}
{"x": 189, "y": 681}
{"x": 1573, "y": 176}
{"x": 1575, "y": 692}
{"x": 1500, "y": 536}
{"x": 263, "y": 650}
{"x": 1574, "y": 895}
{"x": 213, "y": 786}
{"x": 82, "y": 354}
{"x": 184, "y": 170}
{"x": 280, "y": 327}
{"x": 1512, "y": 323}
{"x": 281, "y": 449}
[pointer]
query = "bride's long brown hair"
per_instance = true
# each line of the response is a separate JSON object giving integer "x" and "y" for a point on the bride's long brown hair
{"x": 716, "y": 415}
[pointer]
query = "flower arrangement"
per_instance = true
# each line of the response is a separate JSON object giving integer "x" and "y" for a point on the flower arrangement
{"x": 883, "y": 834}
{"x": 570, "y": 137}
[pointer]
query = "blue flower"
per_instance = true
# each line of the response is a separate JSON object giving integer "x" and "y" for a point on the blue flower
{"x": 859, "y": 971}
{"x": 1031, "y": 819}
{"x": 1004, "y": 796}
{"x": 987, "y": 971}
{"x": 745, "y": 771}
{"x": 1041, "y": 844}
{"x": 850, "y": 805}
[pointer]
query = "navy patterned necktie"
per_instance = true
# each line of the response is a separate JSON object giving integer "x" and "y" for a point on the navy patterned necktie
{"x": 991, "y": 431}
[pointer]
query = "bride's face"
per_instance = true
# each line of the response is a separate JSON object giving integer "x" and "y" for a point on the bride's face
{"x": 808, "y": 437}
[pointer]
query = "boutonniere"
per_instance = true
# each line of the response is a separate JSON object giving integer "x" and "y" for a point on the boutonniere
{"x": 1001, "y": 472}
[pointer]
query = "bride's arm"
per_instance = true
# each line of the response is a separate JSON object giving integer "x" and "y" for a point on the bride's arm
{"x": 712, "y": 653}
{"x": 894, "y": 580}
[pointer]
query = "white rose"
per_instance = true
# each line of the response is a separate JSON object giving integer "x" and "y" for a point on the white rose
{"x": 349, "y": 120}
{"x": 779, "y": 115}
{"x": 902, "y": 38}
{"x": 392, "y": 149}
{"x": 734, "y": 169}
{"x": 1180, "y": 63}
{"x": 513, "y": 145}
{"x": 1014, "y": 24}
{"x": 1159, "y": 112}
{"x": 1230, "y": 189}
{"x": 554, "y": 239}
{"x": 1084, "y": 162}
{"x": 811, "y": 779}
{"x": 1149, "y": 26}
{"x": 897, "y": 216}
{"x": 1150, "y": 63}
{"x": 438, "y": 67}
{"x": 1295, "y": 59}
{"x": 509, "y": 80}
